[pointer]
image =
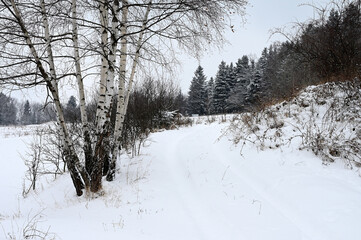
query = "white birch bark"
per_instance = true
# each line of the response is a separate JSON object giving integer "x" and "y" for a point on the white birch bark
{"x": 73, "y": 161}
{"x": 79, "y": 78}
{"x": 48, "y": 43}
{"x": 123, "y": 97}
{"x": 99, "y": 154}
{"x": 64, "y": 133}
{"x": 60, "y": 117}
{"x": 121, "y": 86}
{"x": 78, "y": 72}
{"x": 123, "y": 64}
{"x": 100, "y": 114}
{"x": 102, "y": 147}
{"x": 111, "y": 63}
{"x": 112, "y": 55}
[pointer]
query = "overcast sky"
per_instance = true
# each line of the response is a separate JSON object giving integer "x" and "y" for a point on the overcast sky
{"x": 252, "y": 37}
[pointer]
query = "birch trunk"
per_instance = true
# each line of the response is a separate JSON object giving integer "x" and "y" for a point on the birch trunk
{"x": 100, "y": 114}
{"x": 95, "y": 166}
{"x": 121, "y": 86}
{"x": 102, "y": 150}
{"x": 71, "y": 160}
{"x": 69, "y": 151}
{"x": 103, "y": 72}
{"x": 85, "y": 126}
{"x": 123, "y": 97}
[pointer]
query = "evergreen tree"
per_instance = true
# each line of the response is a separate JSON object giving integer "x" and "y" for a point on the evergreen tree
{"x": 264, "y": 85}
{"x": 231, "y": 76}
{"x": 221, "y": 89}
{"x": 72, "y": 111}
{"x": 210, "y": 93}
{"x": 197, "y": 96}
{"x": 26, "y": 114}
{"x": 8, "y": 110}
{"x": 231, "y": 80}
{"x": 181, "y": 102}
{"x": 238, "y": 94}
{"x": 71, "y": 103}
{"x": 254, "y": 90}
{"x": 242, "y": 69}
{"x": 262, "y": 61}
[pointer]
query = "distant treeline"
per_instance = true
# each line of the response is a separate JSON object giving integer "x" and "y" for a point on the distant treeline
{"x": 150, "y": 102}
{"x": 14, "y": 113}
{"x": 24, "y": 113}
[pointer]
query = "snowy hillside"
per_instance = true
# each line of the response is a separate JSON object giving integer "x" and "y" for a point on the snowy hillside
{"x": 324, "y": 119}
{"x": 252, "y": 177}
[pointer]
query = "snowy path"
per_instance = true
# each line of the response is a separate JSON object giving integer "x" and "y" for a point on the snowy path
{"x": 210, "y": 192}
{"x": 199, "y": 198}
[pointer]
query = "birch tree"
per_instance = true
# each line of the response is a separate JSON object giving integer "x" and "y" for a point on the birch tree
{"x": 45, "y": 41}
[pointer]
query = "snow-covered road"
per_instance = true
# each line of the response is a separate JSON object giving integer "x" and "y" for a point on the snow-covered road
{"x": 208, "y": 191}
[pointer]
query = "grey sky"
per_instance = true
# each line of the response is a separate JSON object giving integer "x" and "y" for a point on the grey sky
{"x": 250, "y": 38}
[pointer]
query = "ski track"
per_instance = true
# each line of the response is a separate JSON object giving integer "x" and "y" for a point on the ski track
{"x": 199, "y": 196}
{"x": 191, "y": 196}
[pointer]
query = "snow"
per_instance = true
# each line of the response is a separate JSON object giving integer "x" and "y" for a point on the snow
{"x": 191, "y": 183}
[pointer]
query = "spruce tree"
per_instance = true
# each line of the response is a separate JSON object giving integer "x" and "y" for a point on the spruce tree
{"x": 237, "y": 96}
{"x": 7, "y": 110}
{"x": 72, "y": 111}
{"x": 257, "y": 85}
{"x": 210, "y": 93}
{"x": 231, "y": 82}
{"x": 181, "y": 102}
{"x": 221, "y": 89}
{"x": 26, "y": 114}
{"x": 254, "y": 90}
{"x": 71, "y": 103}
{"x": 263, "y": 81}
{"x": 197, "y": 96}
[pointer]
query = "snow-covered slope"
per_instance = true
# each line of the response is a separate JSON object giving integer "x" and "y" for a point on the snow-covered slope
{"x": 324, "y": 119}
{"x": 194, "y": 183}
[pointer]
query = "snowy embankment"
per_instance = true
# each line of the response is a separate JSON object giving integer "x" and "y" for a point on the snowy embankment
{"x": 193, "y": 183}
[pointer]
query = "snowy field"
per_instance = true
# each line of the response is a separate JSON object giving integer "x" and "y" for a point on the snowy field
{"x": 193, "y": 183}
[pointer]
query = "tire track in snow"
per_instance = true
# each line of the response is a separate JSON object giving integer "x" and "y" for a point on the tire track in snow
{"x": 247, "y": 175}
{"x": 181, "y": 157}
{"x": 197, "y": 208}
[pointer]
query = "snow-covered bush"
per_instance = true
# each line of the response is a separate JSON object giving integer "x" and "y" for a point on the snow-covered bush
{"x": 325, "y": 119}
{"x": 43, "y": 157}
{"x": 165, "y": 119}
{"x": 336, "y": 133}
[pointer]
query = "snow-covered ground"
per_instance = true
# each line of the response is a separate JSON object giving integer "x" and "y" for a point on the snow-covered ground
{"x": 190, "y": 183}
